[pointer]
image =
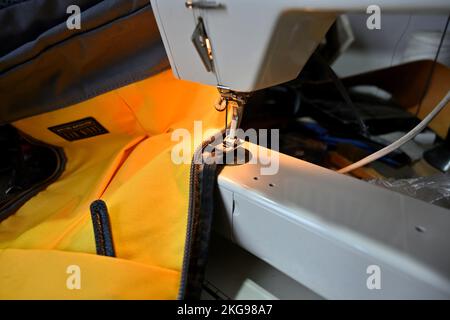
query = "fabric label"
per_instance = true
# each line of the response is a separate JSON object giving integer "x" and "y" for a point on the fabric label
{"x": 80, "y": 129}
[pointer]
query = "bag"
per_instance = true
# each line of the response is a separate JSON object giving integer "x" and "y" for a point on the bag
{"x": 120, "y": 219}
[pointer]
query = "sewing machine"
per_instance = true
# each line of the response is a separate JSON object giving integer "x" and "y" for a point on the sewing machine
{"x": 323, "y": 229}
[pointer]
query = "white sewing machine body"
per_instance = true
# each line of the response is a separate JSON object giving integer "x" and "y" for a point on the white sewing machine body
{"x": 327, "y": 231}
{"x": 320, "y": 228}
{"x": 256, "y": 44}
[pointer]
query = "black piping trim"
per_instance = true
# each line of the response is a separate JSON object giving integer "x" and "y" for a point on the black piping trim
{"x": 102, "y": 229}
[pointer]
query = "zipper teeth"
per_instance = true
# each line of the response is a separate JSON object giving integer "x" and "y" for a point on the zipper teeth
{"x": 187, "y": 243}
{"x": 187, "y": 252}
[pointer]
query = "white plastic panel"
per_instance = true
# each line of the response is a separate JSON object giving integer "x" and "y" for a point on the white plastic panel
{"x": 176, "y": 24}
{"x": 259, "y": 43}
{"x": 324, "y": 229}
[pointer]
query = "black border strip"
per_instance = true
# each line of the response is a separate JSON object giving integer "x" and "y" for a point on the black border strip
{"x": 102, "y": 229}
{"x": 14, "y": 204}
{"x": 203, "y": 180}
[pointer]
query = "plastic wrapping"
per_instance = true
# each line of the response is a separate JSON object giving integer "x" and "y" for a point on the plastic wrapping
{"x": 432, "y": 189}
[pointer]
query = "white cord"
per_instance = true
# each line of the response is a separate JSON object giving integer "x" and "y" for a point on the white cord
{"x": 396, "y": 144}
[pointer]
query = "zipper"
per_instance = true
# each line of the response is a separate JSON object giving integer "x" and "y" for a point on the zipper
{"x": 192, "y": 189}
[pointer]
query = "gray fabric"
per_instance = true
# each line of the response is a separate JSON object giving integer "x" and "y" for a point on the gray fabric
{"x": 44, "y": 66}
{"x": 28, "y": 20}
{"x": 7, "y": 3}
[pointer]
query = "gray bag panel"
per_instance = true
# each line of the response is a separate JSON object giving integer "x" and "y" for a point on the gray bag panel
{"x": 118, "y": 44}
{"x": 7, "y": 3}
{"x": 25, "y": 21}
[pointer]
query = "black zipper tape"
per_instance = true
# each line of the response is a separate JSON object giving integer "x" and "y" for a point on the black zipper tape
{"x": 203, "y": 179}
{"x": 102, "y": 229}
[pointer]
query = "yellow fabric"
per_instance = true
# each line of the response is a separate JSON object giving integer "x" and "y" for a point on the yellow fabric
{"x": 42, "y": 274}
{"x": 132, "y": 171}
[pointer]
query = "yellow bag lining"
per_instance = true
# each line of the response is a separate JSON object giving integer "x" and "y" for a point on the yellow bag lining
{"x": 43, "y": 274}
{"x": 130, "y": 169}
